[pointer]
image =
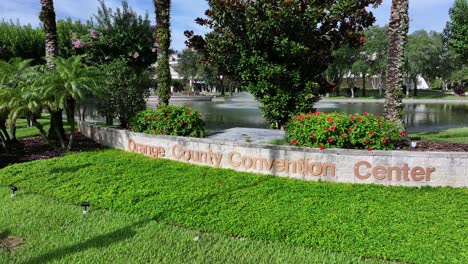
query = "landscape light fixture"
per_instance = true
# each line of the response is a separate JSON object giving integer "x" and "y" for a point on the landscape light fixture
{"x": 13, "y": 190}
{"x": 85, "y": 206}
{"x": 413, "y": 144}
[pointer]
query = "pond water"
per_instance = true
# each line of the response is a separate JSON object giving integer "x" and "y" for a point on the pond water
{"x": 243, "y": 111}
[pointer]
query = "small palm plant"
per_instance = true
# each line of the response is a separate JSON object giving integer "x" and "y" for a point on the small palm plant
{"x": 69, "y": 82}
{"x": 12, "y": 76}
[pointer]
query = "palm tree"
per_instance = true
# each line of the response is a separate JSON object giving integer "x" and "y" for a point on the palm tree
{"x": 47, "y": 17}
{"x": 163, "y": 40}
{"x": 68, "y": 83}
{"x": 12, "y": 75}
{"x": 398, "y": 31}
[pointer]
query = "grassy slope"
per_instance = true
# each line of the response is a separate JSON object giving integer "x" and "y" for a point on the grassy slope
{"x": 407, "y": 224}
{"x": 459, "y": 135}
{"x": 54, "y": 231}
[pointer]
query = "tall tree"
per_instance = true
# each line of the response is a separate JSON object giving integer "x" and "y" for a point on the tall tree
{"x": 163, "y": 40}
{"x": 456, "y": 29}
{"x": 47, "y": 17}
{"x": 376, "y": 48}
{"x": 398, "y": 31}
{"x": 281, "y": 49}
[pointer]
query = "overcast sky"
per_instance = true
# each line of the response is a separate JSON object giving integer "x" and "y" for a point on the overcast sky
{"x": 424, "y": 14}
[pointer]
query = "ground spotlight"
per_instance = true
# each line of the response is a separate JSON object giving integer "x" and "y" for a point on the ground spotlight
{"x": 13, "y": 190}
{"x": 85, "y": 206}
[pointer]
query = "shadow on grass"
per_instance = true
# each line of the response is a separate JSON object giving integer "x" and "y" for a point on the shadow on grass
{"x": 68, "y": 169}
{"x": 101, "y": 241}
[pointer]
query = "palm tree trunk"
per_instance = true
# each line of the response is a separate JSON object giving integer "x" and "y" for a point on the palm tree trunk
{"x": 363, "y": 84}
{"x": 398, "y": 31}
{"x": 47, "y": 17}
{"x": 163, "y": 39}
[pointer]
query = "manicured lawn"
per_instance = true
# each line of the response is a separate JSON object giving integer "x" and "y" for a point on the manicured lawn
{"x": 24, "y": 131}
{"x": 420, "y": 225}
{"x": 422, "y": 94}
{"x": 459, "y": 135}
{"x": 54, "y": 231}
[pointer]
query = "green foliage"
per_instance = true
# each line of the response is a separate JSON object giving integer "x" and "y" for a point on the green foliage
{"x": 456, "y": 30}
{"x": 281, "y": 49}
{"x": 120, "y": 34}
{"x": 122, "y": 95}
{"x": 404, "y": 224}
{"x": 336, "y": 130}
{"x": 68, "y": 32}
{"x": 22, "y": 42}
{"x": 169, "y": 120}
{"x": 190, "y": 64}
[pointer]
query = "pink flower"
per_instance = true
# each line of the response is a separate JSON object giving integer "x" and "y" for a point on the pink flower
{"x": 321, "y": 147}
{"x": 333, "y": 128}
{"x": 371, "y": 133}
{"x": 360, "y": 119}
{"x": 136, "y": 55}
{"x": 310, "y": 112}
{"x": 377, "y": 116}
{"x": 312, "y": 136}
{"x": 168, "y": 113}
{"x": 369, "y": 149}
{"x": 330, "y": 140}
{"x": 76, "y": 43}
{"x": 349, "y": 131}
{"x": 93, "y": 33}
{"x": 384, "y": 140}
{"x": 343, "y": 136}
{"x": 367, "y": 141}
{"x": 366, "y": 114}
{"x": 329, "y": 119}
{"x": 294, "y": 142}
{"x": 326, "y": 129}
{"x": 380, "y": 123}
{"x": 402, "y": 133}
{"x": 353, "y": 118}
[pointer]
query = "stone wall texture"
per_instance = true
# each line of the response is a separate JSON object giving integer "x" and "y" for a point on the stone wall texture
{"x": 400, "y": 168}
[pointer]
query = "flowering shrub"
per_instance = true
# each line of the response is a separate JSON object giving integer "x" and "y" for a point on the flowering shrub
{"x": 336, "y": 130}
{"x": 169, "y": 120}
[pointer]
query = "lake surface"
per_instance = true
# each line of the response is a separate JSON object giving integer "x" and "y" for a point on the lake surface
{"x": 243, "y": 111}
{"x": 418, "y": 117}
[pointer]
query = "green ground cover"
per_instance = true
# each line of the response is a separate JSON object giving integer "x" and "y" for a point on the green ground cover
{"x": 56, "y": 232}
{"x": 420, "y": 225}
{"x": 459, "y": 135}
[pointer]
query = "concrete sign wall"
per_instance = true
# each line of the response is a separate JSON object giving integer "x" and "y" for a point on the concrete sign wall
{"x": 403, "y": 168}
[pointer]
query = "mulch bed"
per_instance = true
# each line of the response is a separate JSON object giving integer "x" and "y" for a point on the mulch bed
{"x": 35, "y": 148}
{"x": 439, "y": 146}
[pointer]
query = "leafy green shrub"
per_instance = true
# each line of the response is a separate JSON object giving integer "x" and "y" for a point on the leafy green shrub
{"x": 336, "y": 130}
{"x": 169, "y": 120}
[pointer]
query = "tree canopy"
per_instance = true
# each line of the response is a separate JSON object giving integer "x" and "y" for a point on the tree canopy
{"x": 281, "y": 49}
